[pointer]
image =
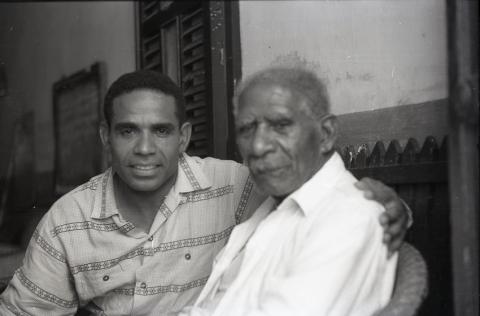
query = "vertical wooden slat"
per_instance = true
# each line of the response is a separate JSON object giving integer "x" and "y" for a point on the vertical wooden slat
{"x": 440, "y": 298}
{"x": 424, "y": 218}
{"x": 410, "y": 152}
{"x": 219, "y": 78}
{"x": 361, "y": 158}
{"x": 406, "y": 171}
{"x": 377, "y": 158}
{"x": 392, "y": 156}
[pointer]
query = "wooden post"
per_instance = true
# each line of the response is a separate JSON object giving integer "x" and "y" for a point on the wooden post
{"x": 463, "y": 153}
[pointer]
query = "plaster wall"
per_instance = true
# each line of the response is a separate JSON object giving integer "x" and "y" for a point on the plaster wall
{"x": 372, "y": 54}
{"x": 41, "y": 42}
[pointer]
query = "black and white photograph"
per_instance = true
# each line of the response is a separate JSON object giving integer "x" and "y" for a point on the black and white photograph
{"x": 239, "y": 158}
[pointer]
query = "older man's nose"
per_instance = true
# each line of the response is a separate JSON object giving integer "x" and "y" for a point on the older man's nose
{"x": 262, "y": 141}
{"x": 145, "y": 145}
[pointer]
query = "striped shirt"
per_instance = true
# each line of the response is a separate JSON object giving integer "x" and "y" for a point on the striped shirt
{"x": 83, "y": 253}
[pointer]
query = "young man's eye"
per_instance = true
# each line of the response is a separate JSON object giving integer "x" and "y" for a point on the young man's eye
{"x": 162, "y": 131}
{"x": 127, "y": 131}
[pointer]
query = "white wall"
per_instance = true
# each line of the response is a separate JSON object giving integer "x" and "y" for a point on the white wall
{"x": 41, "y": 42}
{"x": 372, "y": 54}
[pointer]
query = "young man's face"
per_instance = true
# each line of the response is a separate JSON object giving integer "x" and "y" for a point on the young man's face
{"x": 278, "y": 138}
{"x": 145, "y": 140}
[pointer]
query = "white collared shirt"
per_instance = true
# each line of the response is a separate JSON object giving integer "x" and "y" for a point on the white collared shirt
{"x": 320, "y": 252}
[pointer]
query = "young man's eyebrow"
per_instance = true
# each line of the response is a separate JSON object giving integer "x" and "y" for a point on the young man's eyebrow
{"x": 163, "y": 125}
{"x": 124, "y": 125}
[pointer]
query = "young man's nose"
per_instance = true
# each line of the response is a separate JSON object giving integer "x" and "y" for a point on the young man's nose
{"x": 145, "y": 144}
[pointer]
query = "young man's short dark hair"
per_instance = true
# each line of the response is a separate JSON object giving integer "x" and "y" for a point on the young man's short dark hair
{"x": 144, "y": 80}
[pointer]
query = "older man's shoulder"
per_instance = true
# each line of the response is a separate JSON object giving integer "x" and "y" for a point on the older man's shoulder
{"x": 349, "y": 201}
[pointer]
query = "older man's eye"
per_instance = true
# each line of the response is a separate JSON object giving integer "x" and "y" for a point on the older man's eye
{"x": 281, "y": 125}
{"x": 245, "y": 129}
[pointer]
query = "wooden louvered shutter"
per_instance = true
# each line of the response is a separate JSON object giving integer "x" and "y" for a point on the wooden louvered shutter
{"x": 194, "y": 61}
{"x": 186, "y": 40}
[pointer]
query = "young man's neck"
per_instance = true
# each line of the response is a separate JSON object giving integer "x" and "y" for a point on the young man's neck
{"x": 139, "y": 207}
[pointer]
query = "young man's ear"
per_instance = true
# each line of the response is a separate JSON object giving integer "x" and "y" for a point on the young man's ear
{"x": 329, "y": 125}
{"x": 185, "y": 134}
{"x": 104, "y": 132}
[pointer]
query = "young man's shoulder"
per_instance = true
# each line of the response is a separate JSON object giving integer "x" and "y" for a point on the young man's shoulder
{"x": 210, "y": 162}
{"x": 221, "y": 169}
{"x": 77, "y": 204}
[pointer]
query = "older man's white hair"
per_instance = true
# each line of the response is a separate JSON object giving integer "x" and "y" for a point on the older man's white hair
{"x": 298, "y": 80}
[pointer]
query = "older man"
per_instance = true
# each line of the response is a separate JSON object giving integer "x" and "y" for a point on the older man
{"x": 314, "y": 247}
{"x": 141, "y": 236}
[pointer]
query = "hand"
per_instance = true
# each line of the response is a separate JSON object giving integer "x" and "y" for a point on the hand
{"x": 395, "y": 218}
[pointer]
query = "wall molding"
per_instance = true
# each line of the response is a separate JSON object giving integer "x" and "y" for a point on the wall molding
{"x": 401, "y": 122}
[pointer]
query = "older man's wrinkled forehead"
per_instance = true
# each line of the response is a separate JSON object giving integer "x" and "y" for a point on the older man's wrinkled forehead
{"x": 300, "y": 82}
{"x": 274, "y": 93}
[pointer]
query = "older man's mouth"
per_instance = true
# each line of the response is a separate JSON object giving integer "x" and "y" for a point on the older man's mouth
{"x": 270, "y": 171}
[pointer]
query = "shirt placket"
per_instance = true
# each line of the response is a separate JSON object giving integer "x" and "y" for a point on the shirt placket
{"x": 145, "y": 282}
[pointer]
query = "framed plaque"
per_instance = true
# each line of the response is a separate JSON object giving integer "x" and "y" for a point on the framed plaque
{"x": 77, "y": 103}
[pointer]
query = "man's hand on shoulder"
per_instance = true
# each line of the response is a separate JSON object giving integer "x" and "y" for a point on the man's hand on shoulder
{"x": 395, "y": 218}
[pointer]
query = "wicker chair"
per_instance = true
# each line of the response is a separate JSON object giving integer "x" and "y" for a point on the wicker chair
{"x": 411, "y": 285}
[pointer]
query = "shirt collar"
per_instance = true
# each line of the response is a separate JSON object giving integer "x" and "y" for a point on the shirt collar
{"x": 190, "y": 177}
{"x": 317, "y": 187}
{"x": 104, "y": 204}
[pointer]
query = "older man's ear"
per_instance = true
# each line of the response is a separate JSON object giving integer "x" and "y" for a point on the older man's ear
{"x": 329, "y": 128}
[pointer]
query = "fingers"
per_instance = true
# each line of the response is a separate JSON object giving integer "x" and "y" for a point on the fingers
{"x": 394, "y": 232}
{"x": 384, "y": 220}
{"x": 366, "y": 184}
{"x": 394, "y": 219}
{"x": 376, "y": 190}
{"x": 395, "y": 245}
{"x": 396, "y": 229}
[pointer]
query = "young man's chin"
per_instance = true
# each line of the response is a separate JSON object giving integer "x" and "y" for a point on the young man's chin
{"x": 145, "y": 187}
{"x": 142, "y": 184}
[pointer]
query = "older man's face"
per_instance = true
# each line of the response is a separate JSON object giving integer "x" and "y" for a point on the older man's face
{"x": 278, "y": 137}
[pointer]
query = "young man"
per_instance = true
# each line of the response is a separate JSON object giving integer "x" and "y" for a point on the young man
{"x": 314, "y": 246}
{"x": 141, "y": 236}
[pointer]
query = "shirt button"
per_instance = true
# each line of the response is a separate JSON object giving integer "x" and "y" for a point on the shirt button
{"x": 188, "y": 256}
{"x": 151, "y": 238}
{"x": 106, "y": 278}
{"x": 143, "y": 285}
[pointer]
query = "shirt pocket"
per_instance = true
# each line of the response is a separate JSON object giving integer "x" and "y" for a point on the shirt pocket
{"x": 96, "y": 283}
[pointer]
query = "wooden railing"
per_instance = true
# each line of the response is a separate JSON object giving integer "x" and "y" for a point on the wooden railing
{"x": 419, "y": 175}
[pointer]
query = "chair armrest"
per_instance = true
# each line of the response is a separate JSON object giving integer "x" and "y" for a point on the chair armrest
{"x": 411, "y": 284}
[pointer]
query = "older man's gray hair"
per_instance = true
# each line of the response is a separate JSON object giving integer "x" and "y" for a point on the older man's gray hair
{"x": 298, "y": 80}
